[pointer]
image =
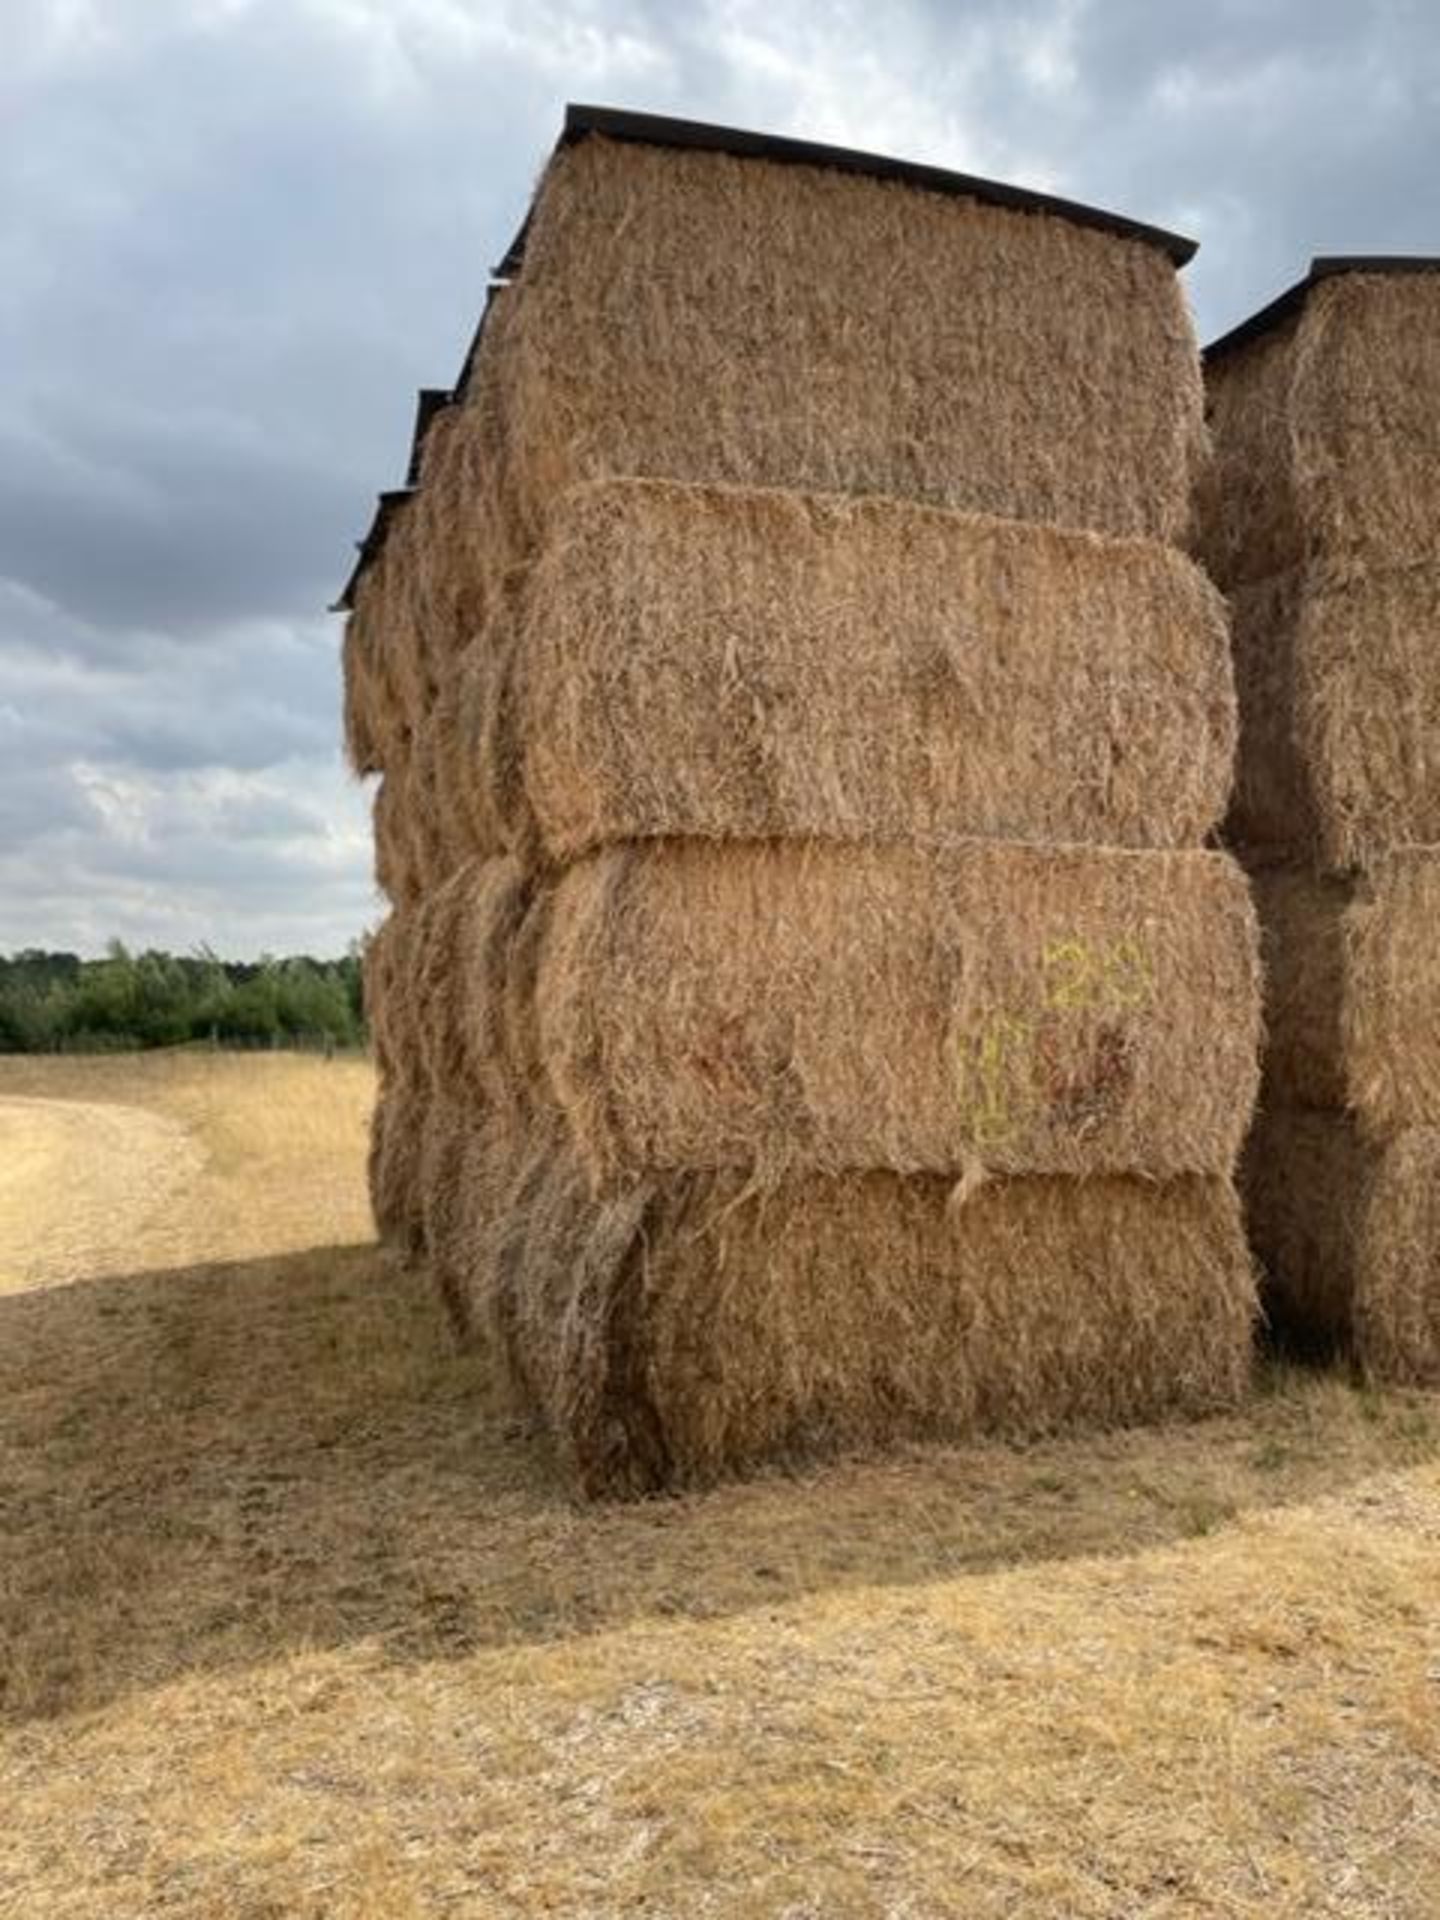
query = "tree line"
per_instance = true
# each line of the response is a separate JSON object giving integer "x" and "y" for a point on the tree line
{"x": 57, "y": 1002}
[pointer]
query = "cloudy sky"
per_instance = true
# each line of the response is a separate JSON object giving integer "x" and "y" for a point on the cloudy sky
{"x": 235, "y": 235}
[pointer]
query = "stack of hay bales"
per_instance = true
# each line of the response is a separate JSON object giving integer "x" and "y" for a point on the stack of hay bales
{"x": 808, "y": 1017}
{"x": 1320, "y": 522}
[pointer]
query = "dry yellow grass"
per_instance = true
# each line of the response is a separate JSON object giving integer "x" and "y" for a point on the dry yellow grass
{"x": 294, "y": 1623}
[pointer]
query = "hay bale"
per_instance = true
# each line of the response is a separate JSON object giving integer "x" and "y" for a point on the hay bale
{"x": 1327, "y": 433}
{"x": 492, "y": 779}
{"x": 1249, "y": 523}
{"x": 444, "y": 1132}
{"x": 443, "y": 832}
{"x": 452, "y": 983}
{"x": 388, "y": 606}
{"x": 1348, "y": 1230}
{"x": 425, "y": 595}
{"x": 399, "y": 864}
{"x": 383, "y": 963}
{"x": 1340, "y": 715}
{"x": 694, "y": 316}
{"x": 783, "y": 1006}
{"x": 396, "y": 1191}
{"x": 423, "y": 831}
{"x": 695, "y": 1327}
{"x": 441, "y": 978}
{"x": 424, "y": 825}
{"x": 465, "y": 530}
{"x": 370, "y": 720}
{"x": 1352, "y": 1007}
{"x": 402, "y": 1098}
{"x": 1365, "y": 429}
{"x": 450, "y": 598}
{"x": 435, "y": 984}
{"x": 461, "y": 823}
{"x": 495, "y": 977}
{"x": 498, "y": 1153}
{"x": 732, "y": 663}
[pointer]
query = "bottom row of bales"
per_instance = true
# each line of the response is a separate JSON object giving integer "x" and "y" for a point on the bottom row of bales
{"x": 740, "y": 1153}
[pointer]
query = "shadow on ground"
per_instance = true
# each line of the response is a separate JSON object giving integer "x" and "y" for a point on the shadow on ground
{"x": 225, "y": 1464}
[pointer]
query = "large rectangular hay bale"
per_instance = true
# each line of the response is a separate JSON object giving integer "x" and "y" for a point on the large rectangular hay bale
{"x": 402, "y": 1095}
{"x": 463, "y": 1165}
{"x": 467, "y": 975}
{"x": 452, "y": 1113}
{"x": 371, "y": 722}
{"x": 397, "y": 1201}
{"x": 1339, "y": 715}
{"x": 1352, "y": 990}
{"x": 696, "y": 1327}
{"x": 1327, "y": 432}
{"x": 440, "y": 979}
{"x": 1248, "y": 520}
{"x": 442, "y": 552}
{"x": 1348, "y": 1230}
{"x": 390, "y": 619}
{"x": 1029, "y": 1010}
{"x": 738, "y": 663}
{"x": 698, "y": 316}
{"x": 387, "y": 1011}
{"x": 401, "y": 869}
{"x": 424, "y": 827}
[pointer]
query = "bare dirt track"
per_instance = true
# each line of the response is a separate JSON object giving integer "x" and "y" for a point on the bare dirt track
{"x": 79, "y": 1181}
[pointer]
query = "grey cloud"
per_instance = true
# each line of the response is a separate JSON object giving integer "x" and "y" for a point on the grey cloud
{"x": 251, "y": 696}
{"x": 207, "y": 535}
{"x": 36, "y": 802}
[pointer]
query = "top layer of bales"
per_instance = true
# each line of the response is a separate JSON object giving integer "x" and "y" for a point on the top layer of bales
{"x": 651, "y": 129}
{"x": 367, "y": 549}
{"x": 1326, "y": 431}
{"x": 1277, "y": 312}
{"x": 724, "y": 279}
{"x": 437, "y": 420}
{"x": 692, "y": 316}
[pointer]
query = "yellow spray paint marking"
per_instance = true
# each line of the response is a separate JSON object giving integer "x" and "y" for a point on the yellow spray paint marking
{"x": 994, "y": 1072}
{"x": 1114, "y": 977}
{"x": 996, "y": 1064}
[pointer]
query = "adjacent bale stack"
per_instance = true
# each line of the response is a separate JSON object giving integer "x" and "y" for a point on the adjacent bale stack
{"x": 829, "y": 1027}
{"x": 417, "y": 600}
{"x": 1319, "y": 521}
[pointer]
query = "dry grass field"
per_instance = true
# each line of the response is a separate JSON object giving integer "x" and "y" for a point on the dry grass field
{"x": 295, "y": 1622}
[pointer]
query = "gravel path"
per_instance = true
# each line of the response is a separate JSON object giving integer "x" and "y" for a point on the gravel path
{"x": 78, "y": 1180}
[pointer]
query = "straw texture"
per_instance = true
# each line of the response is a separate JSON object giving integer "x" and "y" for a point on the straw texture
{"x": 732, "y": 663}
{"x": 1348, "y": 1229}
{"x": 694, "y": 1327}
{"x": 681, "y": 315}
{"x": 1027, "y": 1010}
